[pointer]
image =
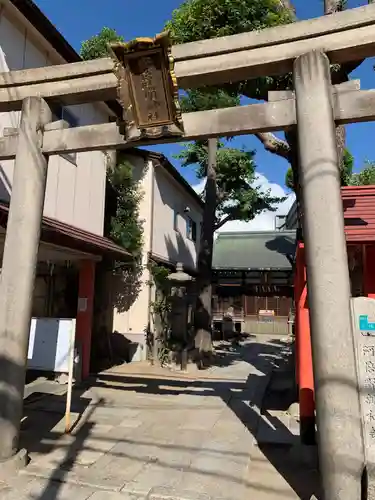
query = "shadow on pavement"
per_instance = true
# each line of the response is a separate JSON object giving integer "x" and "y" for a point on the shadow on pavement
{"x": 244, "y": 399}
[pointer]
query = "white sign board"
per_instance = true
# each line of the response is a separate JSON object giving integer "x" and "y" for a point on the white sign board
{"x": 363, "y": 313}
{"x": 266, "y": 312}
{"x": 49, "y": 344}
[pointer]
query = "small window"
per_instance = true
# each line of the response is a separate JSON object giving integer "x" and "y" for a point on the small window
{"x": 175, "y": 220}
{"x": 60, "y": 112}
{"x": 191, "y": 229}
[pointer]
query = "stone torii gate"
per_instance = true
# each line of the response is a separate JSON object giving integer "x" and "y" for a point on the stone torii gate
{"x": 151, "y": 116}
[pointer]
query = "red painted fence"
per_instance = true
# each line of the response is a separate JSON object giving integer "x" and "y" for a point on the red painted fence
{"x": 359, "y": 215}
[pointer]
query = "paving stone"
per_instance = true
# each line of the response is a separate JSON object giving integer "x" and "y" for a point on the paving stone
{"x": 162, "y": 493}
{"x": 144, "y": 450}
{"x": 212, "y": 484}
{"x": 20, "y": 481}
{"x": 201, "y": 420}
{"x": 112, "y": 480}
{"x": 220, "y": 466}
{"x": 229, "y": 429}
{"x": 130, "y": 422}
{"x": 51, "y": 453}
{"x": 178, "y": 439}
{"x": 92, "y": 449}
{"x": 187, "y": 441}
{"x": 44, "y": 489}
{"x": 229, "y": 452}
{"x": 273, "y": 476}
{"x": 277, "y": 428}
{"x": 109, "y": 495}
{"x": 152, "y": 476}
{"x": 117, "y": 468}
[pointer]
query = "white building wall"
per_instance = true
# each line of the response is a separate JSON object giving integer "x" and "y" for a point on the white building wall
{"x": 75, "y": 192}
{"x": 172, "y": 243}
{"x": 132, "y": 319}
{"x": 162, "y": 196}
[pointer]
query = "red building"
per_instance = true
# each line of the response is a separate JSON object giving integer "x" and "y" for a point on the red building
{"x": 359, "y": 215}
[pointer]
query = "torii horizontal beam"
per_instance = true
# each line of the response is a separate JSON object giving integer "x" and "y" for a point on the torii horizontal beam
{"x": 350, "y": 106}
{"x": 301, "y": 30}
{"x": 345, "y": 36}
{"x": 80, "y": 90}
{"x": 55, "y": 73}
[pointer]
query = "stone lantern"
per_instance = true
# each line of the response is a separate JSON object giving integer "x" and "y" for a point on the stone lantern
{"x": 181, "y": 310}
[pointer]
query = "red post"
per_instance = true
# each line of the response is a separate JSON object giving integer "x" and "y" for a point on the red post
{"x": 304, "y": 356}
{"x": 85, "y": 312}
{"x": 369, "y": 270}
{"x": 297, "y": 294}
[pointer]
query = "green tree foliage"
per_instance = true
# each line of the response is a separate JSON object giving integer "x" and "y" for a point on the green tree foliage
{"x": 126, "y": 226}
{"x": 97, "y": 46}
{"x": 289, "y": 179}
{"x": 364, "y": 178}
{"x": 347, "y": 166}
{"x": 200, "y": 19}
{"x": 346, "y": 171}
{"x": 237, "y": 198}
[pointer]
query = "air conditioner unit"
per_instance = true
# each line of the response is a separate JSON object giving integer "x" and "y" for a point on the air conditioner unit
{"x": 280, "y": 222}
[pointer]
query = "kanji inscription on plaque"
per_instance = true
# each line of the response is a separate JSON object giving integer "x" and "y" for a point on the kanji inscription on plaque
{"x": 147, "y": 90}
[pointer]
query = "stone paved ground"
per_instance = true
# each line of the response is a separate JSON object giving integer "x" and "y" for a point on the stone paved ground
{"x": 160, "y": 435}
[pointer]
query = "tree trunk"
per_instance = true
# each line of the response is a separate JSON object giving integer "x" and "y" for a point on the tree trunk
{"x": 292, "y": 138}
{"x": 331, "y": 6}
{"x": 203, "y": 311}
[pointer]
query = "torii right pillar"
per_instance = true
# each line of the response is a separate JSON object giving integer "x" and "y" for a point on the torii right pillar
{"x": 340, "y": 442}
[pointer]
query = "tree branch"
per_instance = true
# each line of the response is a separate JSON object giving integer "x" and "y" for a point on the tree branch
{"x": 331, "y": 6}
{"x": 287, "y": 4}
{"x": 223, "y": 221}
{"x": 344, "y": 70}
{"x": 274, "y": 145}
{"x": 220, "y": 194}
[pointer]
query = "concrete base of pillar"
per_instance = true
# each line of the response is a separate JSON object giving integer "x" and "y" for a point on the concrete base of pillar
{"x": 12, "y": 466}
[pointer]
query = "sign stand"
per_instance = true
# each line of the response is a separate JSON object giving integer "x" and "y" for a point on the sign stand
{"x": 363, "y": 313}
{"x": 70, "y": 377}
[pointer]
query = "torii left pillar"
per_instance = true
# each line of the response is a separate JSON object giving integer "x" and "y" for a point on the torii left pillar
{"x": 19, "y": 267}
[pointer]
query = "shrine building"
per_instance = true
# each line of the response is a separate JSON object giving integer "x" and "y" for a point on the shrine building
{"x": 253, "y": 275}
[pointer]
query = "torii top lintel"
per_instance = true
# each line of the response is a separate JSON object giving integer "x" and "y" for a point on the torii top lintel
{"x": 345, "y": 36}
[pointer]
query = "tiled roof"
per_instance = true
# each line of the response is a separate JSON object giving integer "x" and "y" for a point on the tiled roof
{"x": 59, "y": 233}
{"x": 255, "y": 250}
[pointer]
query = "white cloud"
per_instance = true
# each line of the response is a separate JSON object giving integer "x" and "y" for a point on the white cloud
{"x": 198, "y": 188}
{"x": 264, "y": 221}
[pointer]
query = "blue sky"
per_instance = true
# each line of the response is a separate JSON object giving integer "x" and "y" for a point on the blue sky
{"x": 77, "y": 20}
